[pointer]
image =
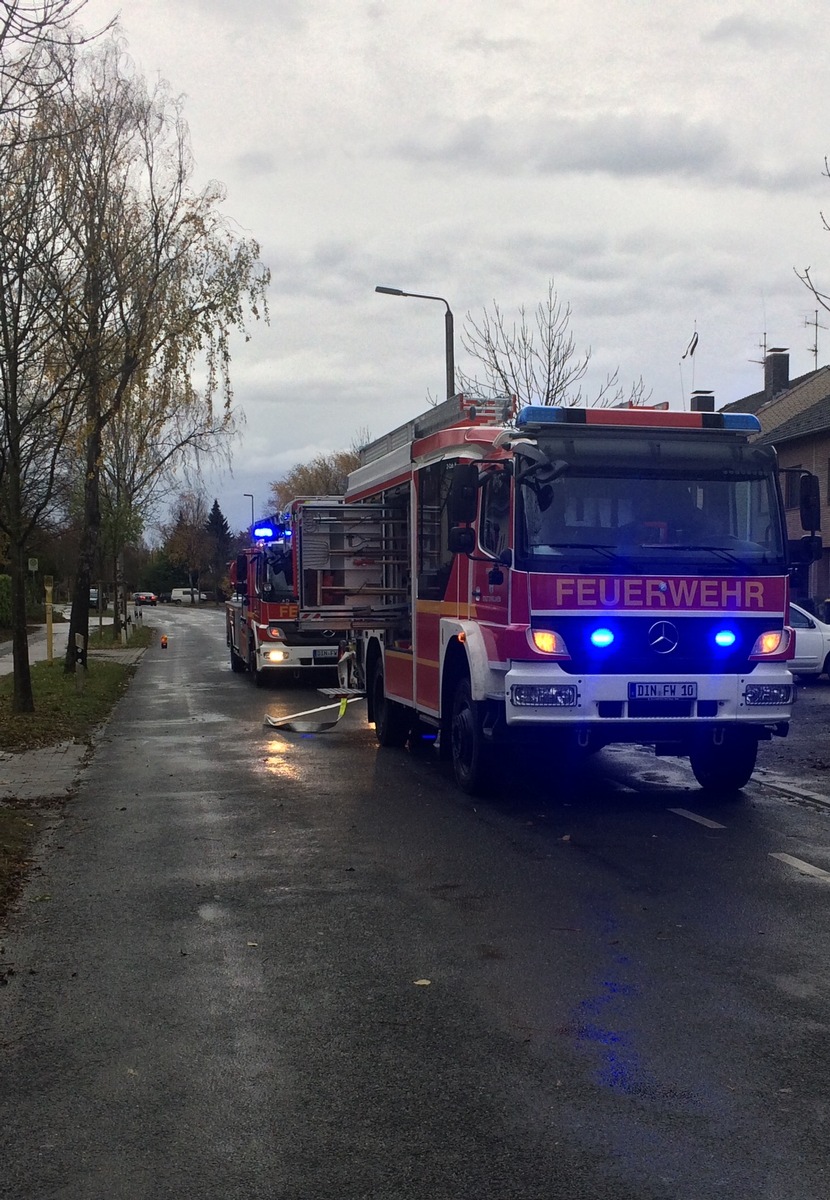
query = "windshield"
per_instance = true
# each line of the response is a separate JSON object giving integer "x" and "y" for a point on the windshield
{"x": 713, "y": 522}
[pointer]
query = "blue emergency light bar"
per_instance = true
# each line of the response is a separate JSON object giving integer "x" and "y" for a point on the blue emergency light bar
{"x": 537, "y": 414}
{"x": 265, "y": 532}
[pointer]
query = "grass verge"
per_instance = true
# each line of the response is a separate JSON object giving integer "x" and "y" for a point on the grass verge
{"x": 63, "y": 712}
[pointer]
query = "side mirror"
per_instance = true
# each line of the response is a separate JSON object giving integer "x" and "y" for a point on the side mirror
{"x": 462, "y": 504}
{"x": 811, "y": 548}
{"x": 805, "y": 550}
{"x": 810, "y": 502}
{"x": 462, "y": 539}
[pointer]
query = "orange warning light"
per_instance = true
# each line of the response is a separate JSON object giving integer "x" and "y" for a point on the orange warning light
{"x": 164, "y": 641}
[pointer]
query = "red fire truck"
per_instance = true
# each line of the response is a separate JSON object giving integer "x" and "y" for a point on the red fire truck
{"x": 563, "y": 580}
{"x": 262, "y": 618}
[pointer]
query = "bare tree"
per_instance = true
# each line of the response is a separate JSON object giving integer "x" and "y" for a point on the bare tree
{"x": 535, "y": 358}
{"x": 38, "y": 381}
{"x": 324, "y": 475}
{"x": 187, "y": 539}
{"x": 146, "y": 447}
{"x": 166, "y": 278}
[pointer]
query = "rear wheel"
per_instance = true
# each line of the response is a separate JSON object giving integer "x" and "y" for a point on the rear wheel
{"x": 726, "y": 766}
{"x": 392, "y": 720}
{"x": 472, "y": 757}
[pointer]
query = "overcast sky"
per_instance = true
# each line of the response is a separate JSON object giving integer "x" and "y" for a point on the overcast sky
{"x": 662, "y": 162}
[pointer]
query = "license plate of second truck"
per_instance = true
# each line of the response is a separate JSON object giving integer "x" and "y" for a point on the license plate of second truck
{"x": 663, "y": 690}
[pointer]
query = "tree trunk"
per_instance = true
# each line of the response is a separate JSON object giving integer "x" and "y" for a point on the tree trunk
{"x": 22, "y": 697}
{"x": 79, "y": 620}
{"x": 117, "y": 598}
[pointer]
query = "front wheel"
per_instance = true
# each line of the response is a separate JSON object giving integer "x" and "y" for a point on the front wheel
{"x": 726, "y": 766}
{"x": 258, "y": 677}
{"x": 237, "y": 663}
{"x": 392, "y": 720}
{"x": 472, "y": 758}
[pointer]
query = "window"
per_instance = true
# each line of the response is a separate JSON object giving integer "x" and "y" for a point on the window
{"x": 434, "y": 556}
{"x": 494, "y": 524}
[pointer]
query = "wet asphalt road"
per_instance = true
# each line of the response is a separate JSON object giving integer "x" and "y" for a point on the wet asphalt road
{"x": 299, "y": 968}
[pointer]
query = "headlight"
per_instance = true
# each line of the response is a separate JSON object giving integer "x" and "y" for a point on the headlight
{"x": 760, "y": 694}
{"x": 546, "y": 641}
{"x": 276, "y": 655}
{"x": 774, "y": 645}
{"x": 543, "y": 695}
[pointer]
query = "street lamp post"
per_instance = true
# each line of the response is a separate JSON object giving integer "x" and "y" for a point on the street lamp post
{"x": 250, "y": 497}
{"x": 449, "y": 340}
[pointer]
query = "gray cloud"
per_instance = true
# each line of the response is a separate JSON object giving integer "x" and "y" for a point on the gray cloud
{"x": 754, "y": 31}
{"x": 619, "y": 144}
{"x": 255, "y": 163}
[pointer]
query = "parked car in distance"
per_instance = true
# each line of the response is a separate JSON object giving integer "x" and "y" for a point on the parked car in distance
{"x": 164, "y": 597}
{"x": 187, "y": 596}
{"x": 812, "y": 644}
{"x": 140, "y": 598}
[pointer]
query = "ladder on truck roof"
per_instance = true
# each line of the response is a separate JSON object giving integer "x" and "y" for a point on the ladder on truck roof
{"x": 457, "y": 410}
{"x": 353, "y": 564}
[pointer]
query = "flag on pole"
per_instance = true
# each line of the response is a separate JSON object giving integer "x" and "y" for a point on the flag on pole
{"x": 692, "y": 346}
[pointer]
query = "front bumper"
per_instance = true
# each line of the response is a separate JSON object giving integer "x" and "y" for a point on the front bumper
{"x": 764, "y": 696}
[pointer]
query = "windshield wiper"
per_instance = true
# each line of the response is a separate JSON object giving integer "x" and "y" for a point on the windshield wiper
{"x": 600, "y": 547}
{"x": 728, "y": 555}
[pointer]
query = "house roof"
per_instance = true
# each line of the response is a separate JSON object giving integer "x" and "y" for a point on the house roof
{"x": 812, "y": 420}
{"x": 812, "y": 387}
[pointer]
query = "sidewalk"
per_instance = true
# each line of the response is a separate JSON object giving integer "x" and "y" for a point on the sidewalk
{"x": 50, "y": 772}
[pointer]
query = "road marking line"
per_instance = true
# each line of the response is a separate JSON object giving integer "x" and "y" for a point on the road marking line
{"x": 684, "y": 812}
{"x": 804, "y": 867}
{"x": 772, "y": 783}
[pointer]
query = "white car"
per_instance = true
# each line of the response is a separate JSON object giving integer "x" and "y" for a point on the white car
{"x": 187, "y": 596}
{"x": 812, "y": 644}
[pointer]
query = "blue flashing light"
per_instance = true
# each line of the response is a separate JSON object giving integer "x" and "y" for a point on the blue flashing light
{"x": 537, "y": 414}
{"x": 748, "y": 422}
{"x": 635, "y": 417}
{"x": 725, "y": 638}
{"x": 601, "y": 638}
{"x": 265, "y": 532}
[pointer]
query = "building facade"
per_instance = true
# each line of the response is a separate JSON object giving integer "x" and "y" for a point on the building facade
{"x": 795, "y": 418}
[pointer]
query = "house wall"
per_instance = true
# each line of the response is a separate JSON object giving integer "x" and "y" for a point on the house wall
{"x": 811, "y": 454}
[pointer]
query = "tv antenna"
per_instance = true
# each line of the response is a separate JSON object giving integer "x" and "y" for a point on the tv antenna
{"x": 762, "y": 346}
{"x": 813, "y": 323}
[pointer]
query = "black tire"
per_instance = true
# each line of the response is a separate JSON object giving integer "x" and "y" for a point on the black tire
{"x": 392, "y": 720}
{"x": 472, "y": 757}
{"x": 238, "y": 665}
{"x": 726, "y": 767}
{"x": 256, "y": 674}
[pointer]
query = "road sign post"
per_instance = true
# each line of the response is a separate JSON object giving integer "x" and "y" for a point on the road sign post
{"x": 48, "y": 583}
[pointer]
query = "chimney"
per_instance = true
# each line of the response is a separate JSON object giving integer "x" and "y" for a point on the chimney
{"x": 776, "y": 372}
{"x": 703, "y": 401}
